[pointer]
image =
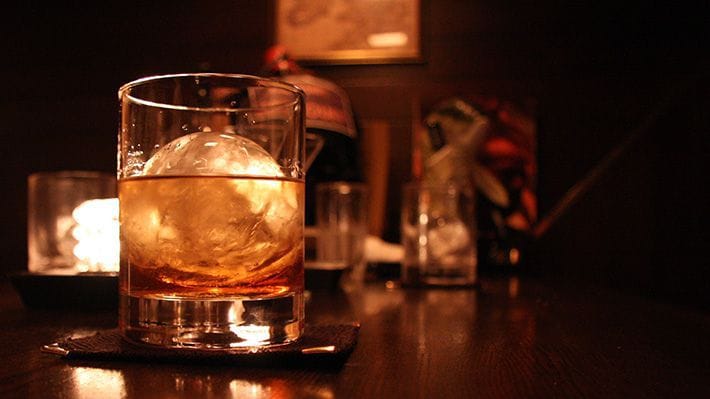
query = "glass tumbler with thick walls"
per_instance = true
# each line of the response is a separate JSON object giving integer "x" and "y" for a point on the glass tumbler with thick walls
{"x": 211, "y": 194}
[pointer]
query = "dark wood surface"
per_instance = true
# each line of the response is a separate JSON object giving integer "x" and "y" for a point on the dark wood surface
{"x": 511, "y": 337}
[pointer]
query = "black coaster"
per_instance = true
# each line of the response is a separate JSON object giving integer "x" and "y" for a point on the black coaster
{"x": 326, "y": 345}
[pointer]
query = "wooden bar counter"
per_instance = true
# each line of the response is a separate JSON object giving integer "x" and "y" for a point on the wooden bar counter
{"x": 510, "y": 337}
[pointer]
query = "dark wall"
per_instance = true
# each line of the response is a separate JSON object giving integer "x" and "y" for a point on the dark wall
{"x": 593, "y": 73}
{"x": 63, "y": 65}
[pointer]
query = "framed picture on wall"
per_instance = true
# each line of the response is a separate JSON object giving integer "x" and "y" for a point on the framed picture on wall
{"x": 350, "y": 31}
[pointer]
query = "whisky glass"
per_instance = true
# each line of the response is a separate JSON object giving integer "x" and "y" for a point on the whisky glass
{"x": 211, "y": 195}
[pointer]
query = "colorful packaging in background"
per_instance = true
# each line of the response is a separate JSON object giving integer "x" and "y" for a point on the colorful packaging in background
{"x": 491, "y": 143}
{"x": 331, "y": 131}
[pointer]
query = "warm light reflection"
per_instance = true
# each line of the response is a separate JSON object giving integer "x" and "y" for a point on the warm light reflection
{"x": 513, "y": 287}
{"x": 376, "y": 301}
{"x": 514, "y": 256}
{"x": 96, "y": 232}
{"x": 246, "y": 389}
{"x": 93, "y": 383}
{"x": 317, "y": 392}
{"x": 252, "y": 335}
{"x": 387, "y": 39}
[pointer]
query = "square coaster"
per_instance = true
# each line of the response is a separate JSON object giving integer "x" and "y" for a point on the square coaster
{"x": 323, "y": 345}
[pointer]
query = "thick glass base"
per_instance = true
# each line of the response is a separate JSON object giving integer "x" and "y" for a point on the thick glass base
{"x": 219, "y": 323}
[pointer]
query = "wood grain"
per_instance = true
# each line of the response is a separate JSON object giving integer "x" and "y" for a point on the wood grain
{"x": 509, "y": 338}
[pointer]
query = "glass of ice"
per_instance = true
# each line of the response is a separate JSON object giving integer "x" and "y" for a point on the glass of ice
{"x": 211, "y": 193}
{"x": 438, "y": 232}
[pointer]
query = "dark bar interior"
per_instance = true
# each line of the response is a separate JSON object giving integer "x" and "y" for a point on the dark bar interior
{"x": 613, "y": 268}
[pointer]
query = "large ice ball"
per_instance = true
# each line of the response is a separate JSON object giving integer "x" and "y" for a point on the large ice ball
{"x": 212, "y": 153}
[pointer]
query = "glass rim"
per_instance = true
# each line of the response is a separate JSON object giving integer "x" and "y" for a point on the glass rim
{"x": 299, "y": 94}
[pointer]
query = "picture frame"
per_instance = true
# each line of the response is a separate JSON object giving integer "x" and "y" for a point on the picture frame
{"x": 350, "y": 31}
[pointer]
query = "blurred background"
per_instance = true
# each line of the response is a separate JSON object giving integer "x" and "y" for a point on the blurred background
{"x": 591, "y": 73}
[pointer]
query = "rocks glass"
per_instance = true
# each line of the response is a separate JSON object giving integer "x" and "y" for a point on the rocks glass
{"x": 211, "y": 194}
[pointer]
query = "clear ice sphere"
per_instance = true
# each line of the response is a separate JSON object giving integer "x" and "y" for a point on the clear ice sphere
{"x": 225, "y": 230}
{"x": 212, "y": 153}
